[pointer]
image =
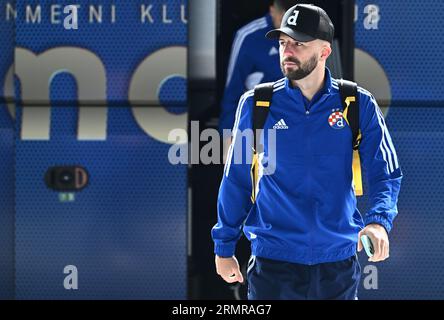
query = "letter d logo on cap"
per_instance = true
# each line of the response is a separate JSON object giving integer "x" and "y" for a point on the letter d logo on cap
{"x": 292, "y": 19}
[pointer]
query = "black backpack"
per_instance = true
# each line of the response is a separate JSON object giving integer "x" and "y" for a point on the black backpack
{"x": 263, "y": 94}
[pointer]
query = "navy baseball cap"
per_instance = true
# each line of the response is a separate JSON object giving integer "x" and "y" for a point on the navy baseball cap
{"x": 304, "y": 23}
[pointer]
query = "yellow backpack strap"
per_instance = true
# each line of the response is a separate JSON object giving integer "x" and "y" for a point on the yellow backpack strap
{"x": 262, "y": 100}
{"x": 350, "y": 104}
{"x": 254, "y": 175}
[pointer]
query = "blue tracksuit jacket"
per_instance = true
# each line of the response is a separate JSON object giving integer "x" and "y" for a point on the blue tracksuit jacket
{"x": 305, "y": 212}
{"x": 254, "y": 59}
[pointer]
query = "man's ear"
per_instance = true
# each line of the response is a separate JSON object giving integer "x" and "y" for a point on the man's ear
{"x": 272, "y": 10}
{"x": 325, "y": 53}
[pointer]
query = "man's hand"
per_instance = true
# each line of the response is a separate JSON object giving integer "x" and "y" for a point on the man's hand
{"x": 228, "y": 269}
{"x": 379, "y": 238}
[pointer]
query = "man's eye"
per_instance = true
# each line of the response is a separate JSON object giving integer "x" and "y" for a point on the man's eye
{"x": 299, "y": 44}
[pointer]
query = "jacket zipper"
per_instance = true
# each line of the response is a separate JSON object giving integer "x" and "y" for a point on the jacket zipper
{"x": 309, "y": 187}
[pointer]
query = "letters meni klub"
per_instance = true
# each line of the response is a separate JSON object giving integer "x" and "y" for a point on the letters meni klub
{"x": 146, "y": 13}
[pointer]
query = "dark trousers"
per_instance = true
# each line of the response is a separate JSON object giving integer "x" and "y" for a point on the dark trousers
{"x": 278, "y": 280}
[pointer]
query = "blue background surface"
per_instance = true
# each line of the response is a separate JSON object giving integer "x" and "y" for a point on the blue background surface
{"x": 405, "y": 44}
{"x": 6, "y": 166}
{"x": 126, "y": 231}
{"x": 121, "y": 46}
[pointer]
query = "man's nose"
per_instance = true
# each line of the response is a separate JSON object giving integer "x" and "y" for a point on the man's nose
{"x": 287, "y": 51}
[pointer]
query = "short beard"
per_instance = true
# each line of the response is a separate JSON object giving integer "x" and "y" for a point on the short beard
{"x": 303, "y": 70}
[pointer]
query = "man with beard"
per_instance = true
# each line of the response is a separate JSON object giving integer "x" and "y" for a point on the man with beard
{"x": 302, "y": 218}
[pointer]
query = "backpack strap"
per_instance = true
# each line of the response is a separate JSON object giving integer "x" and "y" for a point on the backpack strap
{"x": 262, "y": 100}
{"x": 350, "y": 103}
{"x": 263, "y": 94}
